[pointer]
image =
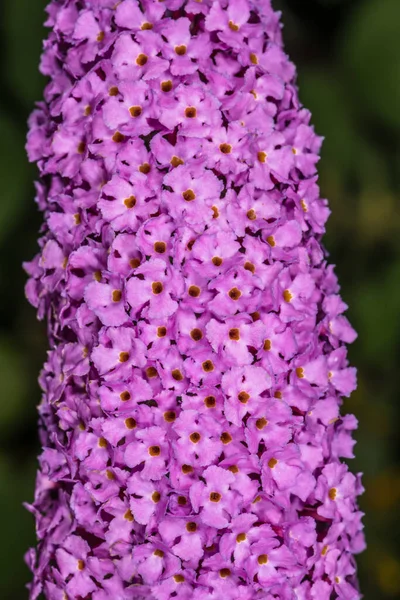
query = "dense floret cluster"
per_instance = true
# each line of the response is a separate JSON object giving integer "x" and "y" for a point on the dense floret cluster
{"x": 190, "y": 421}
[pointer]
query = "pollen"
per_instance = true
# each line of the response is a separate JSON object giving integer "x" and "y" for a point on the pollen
{"x": 196, "y": 335}
{"x": 287, "y": 295}
{"x": 177, "y": 375}
{"x": 130, "y": 423}
{"x": 186, "y": 469}
{"x": 224, "y": 573}
{"x": 241, "y": 537}
{"x": 272, "y": 463}
{"x": 117, "y": 296}
{"x": 157, "y": 287}
{"x": 189, "y": 195}
{"x": 77, "y": 219}
{"x": 169, "y": 416}
{"x": 262, "y": 156}
{"x": 151, "y": 372}
{"x": 234, "y": 334}
{"x": 215, "y": 212}
{"x": 226, "y": 438}
{"x": 129, "y": 516}
{"x": 217, "y": 261}
{"x": 191, "y": 112}
{"x": 208, "y": 366}
{"x": 225, "y": 148}
{"x": 154, "y": 450}
{"x": 251, "y": 214}
{"x": 118, "y": 137}
{"x": 113, "y": 91}
{"x": 261, "y": 423}
{"x": 101, "y": 36}
{"x": 88, "y": 110}
{"x": 102, "y": 442}
{"x": 81, "y": 148}
{"x": 278, "y": 395}
{"x": 243, "y": 397}
{"x": 156, "y": 497}
{"x": 262, "y": 559}
{"x": 176, "y": 161}
{"x": 142, "y": 60}
{"x": 160, "y": 247}
{"x": 146, "y": 26}
{"x": 130, "y": 202}
{"x": 332, "y": 493}
{"x": 304, "y": 206}
{"x": 194, "y": 291}
{"x": 233, "y": 469}
{"x": 271, "y": 241}
{"x": 124, "y": 357}
{"x": 267, "y": 345}
{"x": 135, "y": 111}
{"x": 233, "y": 26}
{"x": 179, "y": 578}
{"x": 253, "y": 59}
{"x": 234, "y": 294}
{"x": 81, "y": 564}
{"x": 166, "y": 86}
{"x": 180, "y": 50}
{"x": 195, "y": 437}
{"x": 210, "y": 401}
{"x": 182, "y": 501}
{"x": 215, "y": 497}
{"x": 134, "y": 263}
{"x": 191, "y": 527}
{"x": 161, "y": 332}
{"x": 324, "y": 550}
{"x": 250, "y": 267}
{"x": 145, "y": 168}
{"x": 300, "y": 372}
{"x": 158, "y": 553}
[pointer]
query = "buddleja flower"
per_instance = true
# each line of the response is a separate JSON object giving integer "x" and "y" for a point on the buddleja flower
{"x": 191, "y": 416}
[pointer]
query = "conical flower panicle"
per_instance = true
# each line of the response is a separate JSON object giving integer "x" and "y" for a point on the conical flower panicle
{"x": 190, "y": 420}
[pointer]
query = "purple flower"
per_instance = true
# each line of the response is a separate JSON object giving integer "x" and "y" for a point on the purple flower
{"x": 191, "y": 425}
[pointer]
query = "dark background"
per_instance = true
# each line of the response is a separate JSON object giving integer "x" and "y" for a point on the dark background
{"x": 348, "y": 57}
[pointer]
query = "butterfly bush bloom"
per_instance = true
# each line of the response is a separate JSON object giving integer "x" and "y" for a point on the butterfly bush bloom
{"x": 191, "y": 424}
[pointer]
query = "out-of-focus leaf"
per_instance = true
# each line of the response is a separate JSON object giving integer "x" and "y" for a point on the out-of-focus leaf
{"x": 321, "y": 92}
{"x": 17, "y": 526}
{"x": 13, "y": 383}
{"x": 377, "y": 217}
{"x": 13, "y": 174}
{"x": 23, "y": 28}
{"x": 371, "y": 54}
{"x": 376, "y": 305}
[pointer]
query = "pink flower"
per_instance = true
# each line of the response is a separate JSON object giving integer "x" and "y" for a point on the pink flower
{"x": 191, "y": 415}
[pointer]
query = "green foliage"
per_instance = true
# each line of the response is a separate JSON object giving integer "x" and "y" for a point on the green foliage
{"x": 24, "y": 32}
{"x": 14, "y": 174}
{"x": 371, "y": 55}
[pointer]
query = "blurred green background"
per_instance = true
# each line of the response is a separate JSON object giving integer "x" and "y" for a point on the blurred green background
{"x": 348, "y": 57}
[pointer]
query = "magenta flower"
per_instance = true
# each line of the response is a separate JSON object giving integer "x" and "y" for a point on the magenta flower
{"x": 191, "y": 417}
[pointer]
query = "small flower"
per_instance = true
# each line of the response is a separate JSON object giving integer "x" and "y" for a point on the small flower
{"x": 213, "y": 500}
{"x": 198, "y": 438}
{"x": 155, "y": 288}
{"x": 151, "y": 449}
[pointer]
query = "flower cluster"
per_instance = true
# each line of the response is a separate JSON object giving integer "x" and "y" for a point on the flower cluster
{"x": 190, "y": 422}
